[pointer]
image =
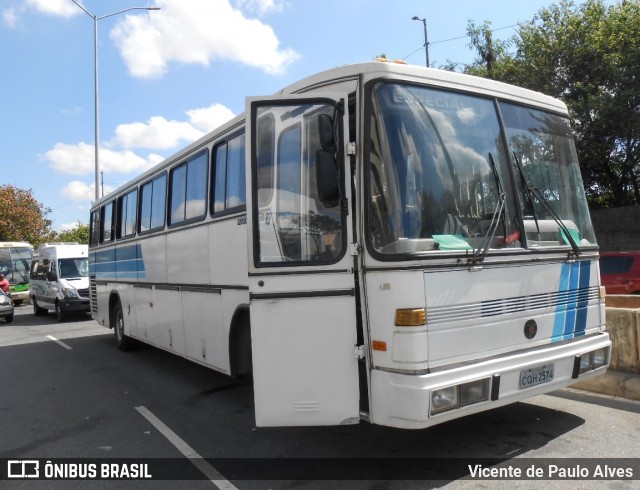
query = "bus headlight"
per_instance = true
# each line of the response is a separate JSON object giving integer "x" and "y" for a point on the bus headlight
{"x": 70, "y": 293}
{"x": 460, "y": 395}
{"x": 593, "y": 360}
{"x": 444, "y": 399}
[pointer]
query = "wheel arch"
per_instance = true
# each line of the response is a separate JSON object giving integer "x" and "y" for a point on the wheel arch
{"x": 114, "y": 298}
{"x": 240, "y": 362}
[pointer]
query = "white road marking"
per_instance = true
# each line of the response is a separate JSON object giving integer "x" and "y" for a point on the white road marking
{"x": 59, "y": 342}
{"x": 188, "y": 452}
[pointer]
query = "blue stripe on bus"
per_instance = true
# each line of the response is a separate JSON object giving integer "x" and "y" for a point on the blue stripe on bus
{"x": 570, "y": 320}
{"x": 581, "y": 317}
{"x": 571, "y": 314}
{"x": 559, "y": 323}
{"x": 118, "y": 263}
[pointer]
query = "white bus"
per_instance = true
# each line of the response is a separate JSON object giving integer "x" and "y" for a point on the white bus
{"x": 378, "y": 242}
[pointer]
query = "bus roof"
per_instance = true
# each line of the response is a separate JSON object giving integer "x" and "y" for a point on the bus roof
{"x": 437, "y": 77}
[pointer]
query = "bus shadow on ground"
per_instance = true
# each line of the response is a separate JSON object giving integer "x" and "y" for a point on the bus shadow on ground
{"x": 352, "y": 452}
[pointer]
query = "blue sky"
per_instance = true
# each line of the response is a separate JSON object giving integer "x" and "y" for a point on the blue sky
{"x": 167, "y": 77}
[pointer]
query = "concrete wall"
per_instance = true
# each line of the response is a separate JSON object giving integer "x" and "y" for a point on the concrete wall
{"x": 623, "y": 325}
{"x": 617, "y": 228}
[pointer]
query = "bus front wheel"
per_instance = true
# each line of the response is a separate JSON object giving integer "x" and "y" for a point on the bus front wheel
{"x": 124, "y": 342}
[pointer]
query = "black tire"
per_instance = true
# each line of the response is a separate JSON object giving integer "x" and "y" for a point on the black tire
{"x": 8, "y": 319}
{"x": 60, "y": 315}
{"x": 37, "y": 311}
{"x": 124, "y": 342}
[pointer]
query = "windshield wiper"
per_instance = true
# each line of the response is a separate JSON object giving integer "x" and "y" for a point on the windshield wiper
{"x": 527, "y": 186}
{"x": 534, "y": 191}
{"x": 483, "y": 250}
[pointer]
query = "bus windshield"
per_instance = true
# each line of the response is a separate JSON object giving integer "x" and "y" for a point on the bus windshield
{"x": 15, "y": 263}
{"x": 440, "y": 176}
{"x": 548, "y": 177}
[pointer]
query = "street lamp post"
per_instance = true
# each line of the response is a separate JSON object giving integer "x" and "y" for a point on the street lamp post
{"x": 95, "y": 74}
{"x": 426, "y": 42}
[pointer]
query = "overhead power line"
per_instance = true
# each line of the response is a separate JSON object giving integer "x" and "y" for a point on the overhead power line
{"x": 456, "y": 38}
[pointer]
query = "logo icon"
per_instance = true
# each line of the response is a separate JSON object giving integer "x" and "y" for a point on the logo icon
{"x": 530, "y": 329}
{"x": 23, "y": 468}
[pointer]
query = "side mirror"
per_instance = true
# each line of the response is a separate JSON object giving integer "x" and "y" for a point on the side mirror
{"x": 51, "y": 276}
{"x": 325, "y": 131}
{"x": 327, "y": 178}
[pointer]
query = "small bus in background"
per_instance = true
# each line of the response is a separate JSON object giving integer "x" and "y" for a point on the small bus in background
{"x": 60, "y": 279}
{"x": 378, "y": 242}
{"x": 15, "y": 259}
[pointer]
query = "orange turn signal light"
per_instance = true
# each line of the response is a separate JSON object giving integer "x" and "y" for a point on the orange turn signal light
{"x": 411, "y": 317}
{"x": 379, "y": 345}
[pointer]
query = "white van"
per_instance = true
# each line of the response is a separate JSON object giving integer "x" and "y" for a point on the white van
{"x": 60, "y": 279}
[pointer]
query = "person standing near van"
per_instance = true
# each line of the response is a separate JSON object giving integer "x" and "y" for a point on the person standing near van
{"x": 4, "y": 284}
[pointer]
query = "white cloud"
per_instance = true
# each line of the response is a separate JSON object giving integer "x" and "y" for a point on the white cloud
{"x": 10, "y": 17}
{"x": 157, "y": 132}
{"x": 63, "y": 8}
{"x": 79, "y": 159}
{"x": 162, "y": 134}
{"x": 78, "y": 191}
{"x": 209, "y": 118}
{"x": 261, "y": 6}
{"x": 192, "y": 31}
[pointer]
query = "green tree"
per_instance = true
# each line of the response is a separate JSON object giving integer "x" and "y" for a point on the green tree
{"x": 589, "y": 56}
{"x": 78, "y": 234}
{"x": 22, "y": 217}
{"x": 493, "y": 54}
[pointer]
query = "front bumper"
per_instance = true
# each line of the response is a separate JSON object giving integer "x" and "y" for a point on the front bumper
{"x": 72, "y": 305}
{"x": 403, "y": 400}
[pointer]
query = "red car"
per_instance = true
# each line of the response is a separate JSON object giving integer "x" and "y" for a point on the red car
{"x": 620, "y": 272}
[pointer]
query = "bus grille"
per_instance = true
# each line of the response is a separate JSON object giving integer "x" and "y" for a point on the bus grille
{"x": 503, "y": 306}
{"x": 83, "y": 293}
{"x": 93, "y": 295}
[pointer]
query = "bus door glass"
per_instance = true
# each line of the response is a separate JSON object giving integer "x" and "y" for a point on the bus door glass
{"x": 303, "y": 319}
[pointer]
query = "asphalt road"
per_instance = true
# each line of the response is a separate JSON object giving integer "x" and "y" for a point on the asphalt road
{"x": 68, "y": 395}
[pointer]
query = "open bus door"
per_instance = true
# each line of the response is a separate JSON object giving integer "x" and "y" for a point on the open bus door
{"x": 301, "y": 280}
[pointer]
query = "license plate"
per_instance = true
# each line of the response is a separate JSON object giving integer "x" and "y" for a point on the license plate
{"x": 536, "y": 376}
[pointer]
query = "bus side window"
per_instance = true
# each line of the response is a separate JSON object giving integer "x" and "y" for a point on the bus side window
{"x": 220, "y": 177}
{"x": 265, "y": 154}
{"x": 229, "y": 193}
{"x": 95, "y": 227}
{"x": 153, "y": 197}
{"x": 189, "y": 190}
{"x": 127, "y": 211}
{"x": 107, "y": 234}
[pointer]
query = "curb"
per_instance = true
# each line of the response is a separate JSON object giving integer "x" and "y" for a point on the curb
{"x": 613, "y": 383}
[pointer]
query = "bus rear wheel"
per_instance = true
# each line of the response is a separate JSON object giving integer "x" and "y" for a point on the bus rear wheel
{"x": 124, "y": 342}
